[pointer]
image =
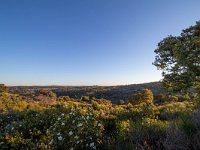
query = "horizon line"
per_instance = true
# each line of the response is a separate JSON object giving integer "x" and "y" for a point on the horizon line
{"x": 82, "y": 85}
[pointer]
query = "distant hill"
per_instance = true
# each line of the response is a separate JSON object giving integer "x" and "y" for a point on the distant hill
{"x": 113, "y": 93}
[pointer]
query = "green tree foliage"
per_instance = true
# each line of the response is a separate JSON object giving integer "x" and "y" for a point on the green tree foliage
{"x": 179, "y": 59}
{"x": 3, "y": 88}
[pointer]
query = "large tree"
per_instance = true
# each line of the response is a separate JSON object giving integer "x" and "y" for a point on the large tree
{"x": 179, "y": 59}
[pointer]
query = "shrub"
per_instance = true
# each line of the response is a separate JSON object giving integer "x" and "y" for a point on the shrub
{"x": 51, "y": 129}
{"x": 76, "y": 131}
{"x": 149, "y": 134}
{"x": 11, "y": 103}
{"x": 3, "y": 88}
{"x": 174, "y": 110}
{"x": 146, "y": 96}
{"x": 185, "y": 133}
{"x": 160, "y": 99}
{"x": 85, "y": 98}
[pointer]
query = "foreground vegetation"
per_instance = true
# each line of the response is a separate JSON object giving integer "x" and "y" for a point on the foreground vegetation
{"x": 147, "y": 121}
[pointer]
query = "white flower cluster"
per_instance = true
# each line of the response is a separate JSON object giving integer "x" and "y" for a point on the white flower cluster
{"x": 76, "y": 128}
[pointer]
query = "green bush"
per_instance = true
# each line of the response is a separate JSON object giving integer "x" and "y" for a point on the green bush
{"x": 51, "y": 129}
{"x": 184, "y": 133}
{"x": 149, "y": 134}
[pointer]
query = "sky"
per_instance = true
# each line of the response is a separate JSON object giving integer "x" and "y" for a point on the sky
{"x": 87, "y": 42}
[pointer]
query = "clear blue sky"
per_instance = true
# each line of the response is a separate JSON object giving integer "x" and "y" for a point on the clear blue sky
{"x": 87, "y": 42}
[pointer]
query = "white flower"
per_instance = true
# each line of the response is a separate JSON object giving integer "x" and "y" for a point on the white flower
{"x": 70, "y": 133}
{"x": 79, "y": 125}
{"x": 59, "y": 118}
{"x": 58, "y": 133}
{"x": 63, "y": 124}
{"x": 77, "y": 142}
{"x": 92, "y": 144}
{"x": 59, "y": 138}
{"x": 99, "y": 124}
{"x": 87, "y": 117}
{"x": 51, "y": 142}
{"x": 62, "y": 114}
{"x": 76, "y": 137}
{"x": 73, "y": 121}
{"x": 71, "y": 148}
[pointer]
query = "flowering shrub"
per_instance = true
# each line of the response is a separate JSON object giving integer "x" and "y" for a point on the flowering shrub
{"x": 51, "y": 129}
{"x": 73, "y": 124}
{"x": 25, "y": 129}
{"x": 76, "y": 131}
{"x": 11, "y": 102}
{"x": 124, "y": 129}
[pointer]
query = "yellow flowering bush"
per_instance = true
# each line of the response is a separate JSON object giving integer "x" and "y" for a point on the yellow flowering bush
{"x": 124, "y": 127}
